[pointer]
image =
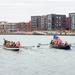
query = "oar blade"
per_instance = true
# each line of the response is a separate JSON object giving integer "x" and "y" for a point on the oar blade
{"x": 38, "y": 45}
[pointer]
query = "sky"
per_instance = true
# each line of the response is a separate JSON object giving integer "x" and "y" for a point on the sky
{"x": 22, "y": 10}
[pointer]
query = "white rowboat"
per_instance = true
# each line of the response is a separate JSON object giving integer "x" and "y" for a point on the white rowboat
{"x": 11, "y": 48}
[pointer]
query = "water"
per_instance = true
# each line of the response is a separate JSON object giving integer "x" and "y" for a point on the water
{"x": 37, "y": 61}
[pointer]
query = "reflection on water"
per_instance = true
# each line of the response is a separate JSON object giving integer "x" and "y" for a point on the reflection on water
{"x": 36, "y": 61}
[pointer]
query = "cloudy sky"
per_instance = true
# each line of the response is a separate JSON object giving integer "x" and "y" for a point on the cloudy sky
{"x": 22, "y": 10}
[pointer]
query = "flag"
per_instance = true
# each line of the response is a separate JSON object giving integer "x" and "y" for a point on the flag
{"x": 57, "y": 39}
{"x": 4, "y": 39}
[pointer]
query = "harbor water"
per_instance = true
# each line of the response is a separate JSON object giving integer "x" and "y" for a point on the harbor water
{"x": 37, "y": 61}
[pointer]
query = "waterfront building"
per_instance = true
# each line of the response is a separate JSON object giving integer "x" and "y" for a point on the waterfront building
{"x": 29, "y": 26}
{"x": 36, "y": 22}
{"x": 72, "y": 21}
{"x": 56, "y": 22}
{"x": 2, "y": 23}
{"x": 21, "y": 26}
{"x": 43, "y": 22}
{"x": 9, "y": 27}
{"x": 49, "y": 22}
{"x": 67, "y": 23}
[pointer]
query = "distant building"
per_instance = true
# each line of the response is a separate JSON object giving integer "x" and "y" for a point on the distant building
{"x": 21, "y": 26}
{"x": 29, "y": 26}
{"x": 56, "y": 22}
{"x": 26, "y": 26}
{"x": 49, "y": 22}
{"x": 72, "y": 21}
{"x": 9, "y": 27}
{"x": 43, "y": 22}
{"x": 67, "y": 23}
{"x": 36, "y": 22}
{"x": 2, "y": 23}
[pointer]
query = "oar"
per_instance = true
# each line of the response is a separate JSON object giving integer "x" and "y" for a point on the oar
{"x": 72, "y": 43}
{"x": 43, "y": 44}
{"x": 39, "y": 44}
{"x": 72, "y": 46}
{"x": 26, "y": 47}
{"x": 1, "y": 45}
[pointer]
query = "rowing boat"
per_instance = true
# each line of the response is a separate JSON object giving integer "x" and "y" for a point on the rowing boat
{"x": 11, "y": 48}
{"x": 61, "y": 47}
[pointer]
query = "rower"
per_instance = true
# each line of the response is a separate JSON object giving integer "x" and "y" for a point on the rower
{"x": 18, "y": 44}
{"x": 66, "y": 43}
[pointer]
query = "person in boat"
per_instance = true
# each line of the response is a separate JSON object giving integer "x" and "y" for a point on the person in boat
{"x": 14, "y": 44}
{"x": 11, "y": 43}
{"x": 66, "y": 43}
{"x": 63, "y": 44}
{"x": 5, "y": 42}
{"x": 8, "y": 43}
{"x": 52, "y": 42}
{"x": 56, "y": 43}
{"x": 18, "y": 44}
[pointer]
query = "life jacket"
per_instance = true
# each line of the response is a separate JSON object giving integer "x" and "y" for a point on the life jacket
{"x": 18, "y": 44}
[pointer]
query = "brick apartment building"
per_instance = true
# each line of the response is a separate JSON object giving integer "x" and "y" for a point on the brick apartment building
{"x": 36, "y": 22}
{"x": 67, "y": 23}
{"x": 43, "y": 22}
{"x": 56, "y": 22}
{"x": 23, "y": 26}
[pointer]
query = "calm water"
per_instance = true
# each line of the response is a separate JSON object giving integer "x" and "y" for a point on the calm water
{"x": 37, "y": 61}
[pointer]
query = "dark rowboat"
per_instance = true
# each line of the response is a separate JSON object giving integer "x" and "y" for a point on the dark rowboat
{"x": 11, "y": 48}
{"x": 61, "y": 47}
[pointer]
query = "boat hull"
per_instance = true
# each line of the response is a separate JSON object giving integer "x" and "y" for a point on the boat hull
{"x": 61, "y": 47}
{"x": 11, "y": 48}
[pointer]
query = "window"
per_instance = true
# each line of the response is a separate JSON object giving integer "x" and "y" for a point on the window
{"x": 57, "y": 17}
{"x": 59, "y": 24}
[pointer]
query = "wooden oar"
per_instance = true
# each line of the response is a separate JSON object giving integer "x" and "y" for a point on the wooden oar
{"x": 39, "y": 44}
{"x": 1, "y": 45}
{"x": 43, "y": 44}
{"x": 72, "y": 45}
{"x": 26, "y": 47}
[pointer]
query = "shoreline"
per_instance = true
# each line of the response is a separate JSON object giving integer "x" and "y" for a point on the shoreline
{"x": 39, "y": 33}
